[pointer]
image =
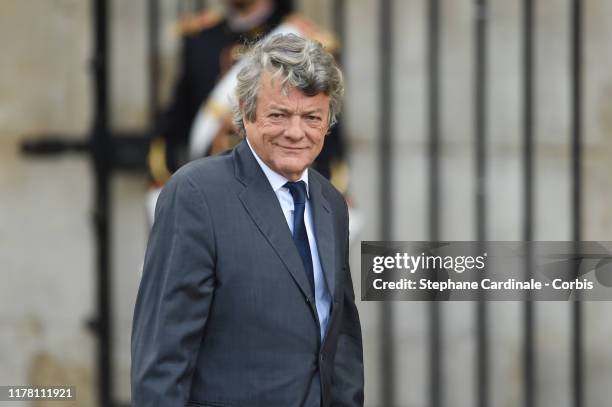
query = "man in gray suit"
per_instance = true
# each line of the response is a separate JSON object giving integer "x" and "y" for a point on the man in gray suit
{"x": 246, "y": 297}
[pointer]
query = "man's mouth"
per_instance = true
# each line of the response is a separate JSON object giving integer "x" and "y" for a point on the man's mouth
{"x": 292, "y": 148}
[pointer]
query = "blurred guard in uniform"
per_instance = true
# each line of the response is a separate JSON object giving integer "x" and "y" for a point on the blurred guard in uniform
{"x": 212, "y": 44}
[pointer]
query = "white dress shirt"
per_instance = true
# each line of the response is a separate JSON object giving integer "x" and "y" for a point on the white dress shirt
{"x": 277, "y": 181}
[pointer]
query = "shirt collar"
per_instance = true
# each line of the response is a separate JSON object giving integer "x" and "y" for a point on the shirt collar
{"x": 276, "y": 180}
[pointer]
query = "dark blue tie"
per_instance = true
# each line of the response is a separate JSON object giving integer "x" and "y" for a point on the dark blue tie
{"x": 300, "y": 237}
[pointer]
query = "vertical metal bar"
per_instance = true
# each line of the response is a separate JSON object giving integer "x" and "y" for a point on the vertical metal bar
{"x": 339, "y": 21}
{"x": 433, "y": 91}
{"x": 387, "y": 384}
{"x": 576, "y": 177}
{"x": 385, "y": 138}
{"x": 480, "y": 115}
{"x": 529, "y": 367}
{"x": 100, "y": 143}
{"x": 180, "y": 9}
{"x": 339, "y": 25}
{"x": 153, "y": 45}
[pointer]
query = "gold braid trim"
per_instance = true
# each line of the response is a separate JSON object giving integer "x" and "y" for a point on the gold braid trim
{"x": 339, "y": 175}
{"x": 216, "y": 109}
{"x": 157, "y": 161}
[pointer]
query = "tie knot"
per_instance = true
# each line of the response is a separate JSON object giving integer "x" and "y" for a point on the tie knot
{"x": 298, "y": 191}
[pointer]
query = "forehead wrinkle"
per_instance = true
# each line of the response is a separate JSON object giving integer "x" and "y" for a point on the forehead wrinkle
{"x": 287, "y": 97}
{"x": 286, "y": 103}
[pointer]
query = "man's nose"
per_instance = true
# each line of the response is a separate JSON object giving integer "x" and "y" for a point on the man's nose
{"x": 295, "y": 129}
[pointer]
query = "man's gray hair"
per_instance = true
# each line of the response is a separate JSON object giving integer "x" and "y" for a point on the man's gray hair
{"x": 299, "y": 62}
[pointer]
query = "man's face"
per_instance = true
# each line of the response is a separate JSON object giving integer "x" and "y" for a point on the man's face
{"x": 289, "y": 127}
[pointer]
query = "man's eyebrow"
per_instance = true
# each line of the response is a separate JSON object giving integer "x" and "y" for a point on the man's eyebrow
{"x": 315, "y": 110}
{"x": 278, "y": 107}
{"x": 285, "y": 109}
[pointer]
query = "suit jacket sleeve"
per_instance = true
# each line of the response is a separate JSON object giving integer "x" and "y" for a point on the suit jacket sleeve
{"x": 174, "y": 296}
{"x": 348, "y": 380}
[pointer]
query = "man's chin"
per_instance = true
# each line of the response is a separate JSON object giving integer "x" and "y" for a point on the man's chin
{"x": 291, "y": 172}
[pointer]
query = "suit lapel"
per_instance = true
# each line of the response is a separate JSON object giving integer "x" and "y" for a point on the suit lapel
{"x": 324, "y": 231}
{"x": 263, "y": 207}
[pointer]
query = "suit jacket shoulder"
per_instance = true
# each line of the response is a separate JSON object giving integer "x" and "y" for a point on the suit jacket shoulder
{"x": 208, "y": 172}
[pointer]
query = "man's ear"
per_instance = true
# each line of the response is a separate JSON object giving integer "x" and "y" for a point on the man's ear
{"x": 246, "y": 123}
{"x": 242, "y": 112}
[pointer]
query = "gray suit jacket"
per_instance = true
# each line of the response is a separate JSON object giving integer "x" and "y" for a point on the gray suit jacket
{"x": 225, "y": 315}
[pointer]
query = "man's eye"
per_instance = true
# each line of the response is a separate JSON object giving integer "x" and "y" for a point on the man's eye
{"x": 276, "y": 115}
{"x": 313, "y": 118}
